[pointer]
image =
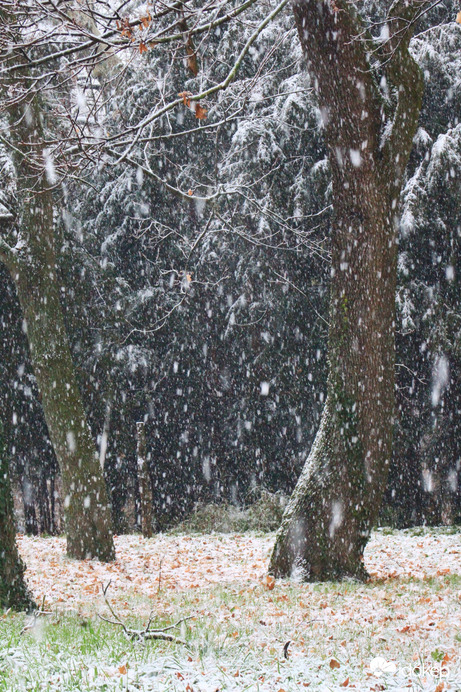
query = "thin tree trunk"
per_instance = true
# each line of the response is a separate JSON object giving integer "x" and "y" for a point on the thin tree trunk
{"x": 28, "y": 500}
{"x": 43, "y": 503}
{"x": 13, "y": 589}
{"x": 328, "y": 520}
{"x": 145, "y": 486}
{"x": 51, "y": 485}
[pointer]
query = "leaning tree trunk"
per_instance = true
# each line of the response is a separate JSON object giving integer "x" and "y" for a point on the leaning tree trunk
{"x": 86, "y": 504}
{"x": 32, "y": 264}
{"x": 328, "y": 520}
{"x": 13, "y": 590}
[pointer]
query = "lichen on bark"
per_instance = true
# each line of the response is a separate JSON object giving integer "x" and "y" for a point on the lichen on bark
{"x": 336, "y": 501}
{"x": 13, "y": 588}
{"x": 32, "y": 264}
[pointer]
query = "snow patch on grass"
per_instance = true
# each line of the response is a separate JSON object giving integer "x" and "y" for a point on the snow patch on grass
{"x": 399, "y": 631}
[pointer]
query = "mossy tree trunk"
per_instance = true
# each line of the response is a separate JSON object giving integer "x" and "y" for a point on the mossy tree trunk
{"x": 13, "y": 589}
{"x": 370, "y": 117}
{"x": 32, "y": 264}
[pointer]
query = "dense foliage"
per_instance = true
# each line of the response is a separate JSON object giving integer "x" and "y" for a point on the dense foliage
{"x": 207, "y": 318}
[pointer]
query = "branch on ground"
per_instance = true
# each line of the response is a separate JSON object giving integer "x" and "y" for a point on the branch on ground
{"x": 30, "y": 624}
{"x": 141, "y": 634}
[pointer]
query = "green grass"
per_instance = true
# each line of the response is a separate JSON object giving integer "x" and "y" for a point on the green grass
{"x": 236, "y": 637}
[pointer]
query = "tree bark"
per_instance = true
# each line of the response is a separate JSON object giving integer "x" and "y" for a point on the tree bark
{"x": 28, "y": 500}
{"x": 44, "y": 504}
{"x": 145, "y": 486}
{"x": 86, "y": 504}
{"x": 32, "y": 264}
{"x": 328, "y": 520}
{"x": 13, "y": 589}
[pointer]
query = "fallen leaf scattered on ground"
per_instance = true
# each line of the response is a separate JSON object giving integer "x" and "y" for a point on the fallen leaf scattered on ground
{"x": 194, "y": 561}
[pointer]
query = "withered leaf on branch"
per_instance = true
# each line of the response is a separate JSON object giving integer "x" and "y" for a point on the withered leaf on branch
{"x": 200, "y": 112}
{"x": 185, "y": 95}
{"x": 192, "y": 62}
{"x": 145, "y": 21}
{"x": 124, "y": 28}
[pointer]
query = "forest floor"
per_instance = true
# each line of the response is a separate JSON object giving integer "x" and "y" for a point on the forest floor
{"x": 401, "y": 630}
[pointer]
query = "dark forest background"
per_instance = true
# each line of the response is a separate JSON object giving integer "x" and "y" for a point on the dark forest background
{"x": 210, "y": 326}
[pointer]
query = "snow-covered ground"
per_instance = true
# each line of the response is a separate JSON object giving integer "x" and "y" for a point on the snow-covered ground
{"x": 189, "y": 562}
{"x": 399, "y": 631}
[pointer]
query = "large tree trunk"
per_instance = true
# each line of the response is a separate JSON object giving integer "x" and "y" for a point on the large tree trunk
{"x": 32, "y": 264}
{"x": 337, "y": 499}
{"x": 86, "y": 504}
{"x": 13, "y": 590}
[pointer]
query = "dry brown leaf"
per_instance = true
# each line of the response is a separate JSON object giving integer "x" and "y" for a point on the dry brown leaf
{"x": 145, "y": 21}
{"x": 123, "y": 670}
{"x": 269, "y": 582}
{"x": 185, "y": 95}
{"x": 192, "y": 64}
{"x": 406, "y": 628}
{"x": 334, "y": 664}
{"x": 200, "y": 112}
{"x": 345, "y": 683}
{"x": 124, "y": 28}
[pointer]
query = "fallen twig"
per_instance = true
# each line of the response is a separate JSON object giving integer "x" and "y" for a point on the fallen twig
{"x": 159, "y": 576}
{"x": 34, "y": 617}
{"x": 147, "y": 632}
{"x": 285, "y": 649}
